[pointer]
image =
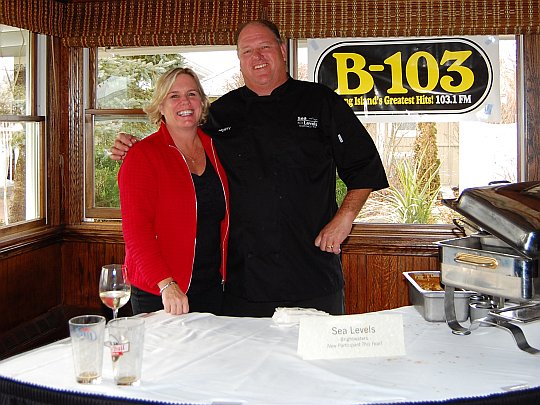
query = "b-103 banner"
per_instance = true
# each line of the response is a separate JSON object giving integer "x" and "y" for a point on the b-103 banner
{"x": 404, "y": 79}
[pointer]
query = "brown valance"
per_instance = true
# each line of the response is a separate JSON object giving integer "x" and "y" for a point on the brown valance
{"x": 391, "y": 18}
{"x": 93, "y": 23}
{"x": 43, "y": 16}
{"x": 156, "y": 22}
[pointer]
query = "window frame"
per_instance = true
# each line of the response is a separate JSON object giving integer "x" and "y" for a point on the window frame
{"x": 98, "y": 214}
{"x": 91, "y": 211}
{"x": 92, "y": 113}
{"x": 36, "y": 104}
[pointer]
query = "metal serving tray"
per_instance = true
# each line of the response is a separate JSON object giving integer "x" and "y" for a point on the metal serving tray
{"x": 501, "y": 260}
{"x": 430, "y": 303}
{"x": 521, "y": 313}
{"x": 495, "y": 270}
{"x": 511, "y": 212}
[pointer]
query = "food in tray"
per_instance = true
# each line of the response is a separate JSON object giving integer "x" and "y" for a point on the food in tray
{"x": 427, "y": 295}
{"x": 428, "y": 282}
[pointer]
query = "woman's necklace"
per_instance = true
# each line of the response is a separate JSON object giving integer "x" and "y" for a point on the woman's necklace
{"x": 193, "y": 159}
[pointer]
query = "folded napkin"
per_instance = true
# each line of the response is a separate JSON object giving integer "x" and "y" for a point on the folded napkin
{"x": 291, "y": 316}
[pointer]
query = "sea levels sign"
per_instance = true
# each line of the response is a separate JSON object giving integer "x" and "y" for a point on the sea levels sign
{"x": 408, "y": 77}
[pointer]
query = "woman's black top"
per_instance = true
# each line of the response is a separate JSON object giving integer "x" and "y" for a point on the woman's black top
{"x": 210, "y": 213}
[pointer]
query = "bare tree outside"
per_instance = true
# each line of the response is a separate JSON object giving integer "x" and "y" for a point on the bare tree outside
{"x": 235, "y": 81}
{"x": 12, "y": 136}
{"x": 425, "y": 151}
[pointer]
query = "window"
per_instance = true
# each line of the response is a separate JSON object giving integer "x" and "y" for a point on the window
{"x": 449, "y": 154}
{"x": 124, "y": 85}
{"x": 21, "y": 129}
{"x": 430, "y": 160}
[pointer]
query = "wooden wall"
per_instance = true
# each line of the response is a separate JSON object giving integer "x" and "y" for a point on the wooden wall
{"x": 84, "y": 251}
{"x": 530, "y": 154}
{"x": 29, "y": 284}
{"x": 375, "y": 257}
{"x": 375, "y": 282}
{"x": 66, "y": 271}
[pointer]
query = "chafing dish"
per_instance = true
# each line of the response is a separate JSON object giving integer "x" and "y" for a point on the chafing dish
{"x": 500, "y": 259}
{"x": 427, "y": 296}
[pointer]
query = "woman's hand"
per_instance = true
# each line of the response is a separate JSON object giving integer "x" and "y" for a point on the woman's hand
{"x": 175, "y": 302}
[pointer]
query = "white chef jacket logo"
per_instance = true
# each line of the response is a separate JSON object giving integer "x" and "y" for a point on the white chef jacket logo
{"x": 305, "y": 122}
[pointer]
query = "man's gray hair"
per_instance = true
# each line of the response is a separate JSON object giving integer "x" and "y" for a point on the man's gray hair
{"x": 265, "y": 23}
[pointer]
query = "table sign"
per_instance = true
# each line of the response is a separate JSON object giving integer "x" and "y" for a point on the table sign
{"x": 348, "y": 336}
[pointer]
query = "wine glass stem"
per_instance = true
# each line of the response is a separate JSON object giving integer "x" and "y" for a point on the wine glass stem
{"x": 115, "y": 313}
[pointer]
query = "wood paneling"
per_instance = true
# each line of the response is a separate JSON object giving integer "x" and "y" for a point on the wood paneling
{"x": 375, "y": 257}
{"x": 30, "y": 285}
{"x": 58, "y": 109}
{"x": 375, "y": 282}
{"x": 531, "y": 68}
{"x": 81, "y": 266}
{"x": 73, "y": 171}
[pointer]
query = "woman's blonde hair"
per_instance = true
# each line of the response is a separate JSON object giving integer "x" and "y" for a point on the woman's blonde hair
{"x": 163, "y": 85}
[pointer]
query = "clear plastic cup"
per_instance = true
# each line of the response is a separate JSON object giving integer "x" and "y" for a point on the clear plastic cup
{"x": 87, "y": 334}
{"x": 126, "y": 342}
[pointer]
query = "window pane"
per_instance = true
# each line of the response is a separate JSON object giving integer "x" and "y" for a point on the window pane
{"x": 125, "y": 81}
{"x": 105, "y": 169}
{"x": 451, "y": 154}
{"x": 447, "y": 156}
{"x": 20, "y": 152}
{"x": 13, "y": 70}
{"x": 126, "y": 76}
{"x": 21, "y": 133}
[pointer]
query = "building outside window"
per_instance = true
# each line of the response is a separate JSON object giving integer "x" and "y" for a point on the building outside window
{"x": 426, "y": 161}
{"x": 21, "y": 129}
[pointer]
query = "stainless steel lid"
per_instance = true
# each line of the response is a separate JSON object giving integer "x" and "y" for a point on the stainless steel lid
{"x": 510, "y": 212}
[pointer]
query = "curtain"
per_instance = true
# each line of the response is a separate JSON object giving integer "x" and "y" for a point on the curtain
{"x": 156, "y": 22}
{"x": 94, "y": 23}
{"x": 394, "y": 18}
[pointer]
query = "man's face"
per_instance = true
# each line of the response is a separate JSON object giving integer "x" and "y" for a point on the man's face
{"x": 262, "y": 59}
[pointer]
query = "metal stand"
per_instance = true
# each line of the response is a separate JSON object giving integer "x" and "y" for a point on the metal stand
{"x": 458, "y": 329}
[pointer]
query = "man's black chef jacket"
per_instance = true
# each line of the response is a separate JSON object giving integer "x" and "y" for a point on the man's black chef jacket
{"x": 280, "y": 153}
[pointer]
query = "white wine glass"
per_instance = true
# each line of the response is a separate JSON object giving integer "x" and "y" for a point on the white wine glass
{"x": 114, "y": 287}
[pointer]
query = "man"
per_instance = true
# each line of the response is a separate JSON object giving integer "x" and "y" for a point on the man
{"x": 280, "y": 141}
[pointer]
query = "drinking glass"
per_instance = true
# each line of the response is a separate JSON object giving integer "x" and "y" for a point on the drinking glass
{"x": 114, "y": 287}
{"x": 126, "y": 341}
{"x": 87, "y": 337}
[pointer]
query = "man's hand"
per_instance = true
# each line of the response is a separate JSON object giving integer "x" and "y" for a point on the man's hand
{"x": 333, "y": 234}
{"x": 336, "y": 231}
{"x": 121, "y": 146}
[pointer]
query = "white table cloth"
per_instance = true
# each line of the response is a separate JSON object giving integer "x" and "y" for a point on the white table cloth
{"x": 201, "y": 358}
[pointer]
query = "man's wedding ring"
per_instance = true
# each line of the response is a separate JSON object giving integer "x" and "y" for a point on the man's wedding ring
{"x": 329, "y": 246}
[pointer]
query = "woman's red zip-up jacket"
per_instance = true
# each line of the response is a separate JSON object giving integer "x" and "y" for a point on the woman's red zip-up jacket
{"x": 159, "y": 211}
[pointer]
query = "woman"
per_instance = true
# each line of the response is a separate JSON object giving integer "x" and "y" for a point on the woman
{"x": 174, "y": 199}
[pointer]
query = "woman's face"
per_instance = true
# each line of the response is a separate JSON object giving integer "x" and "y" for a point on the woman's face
{"x": 182, "y": 106}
